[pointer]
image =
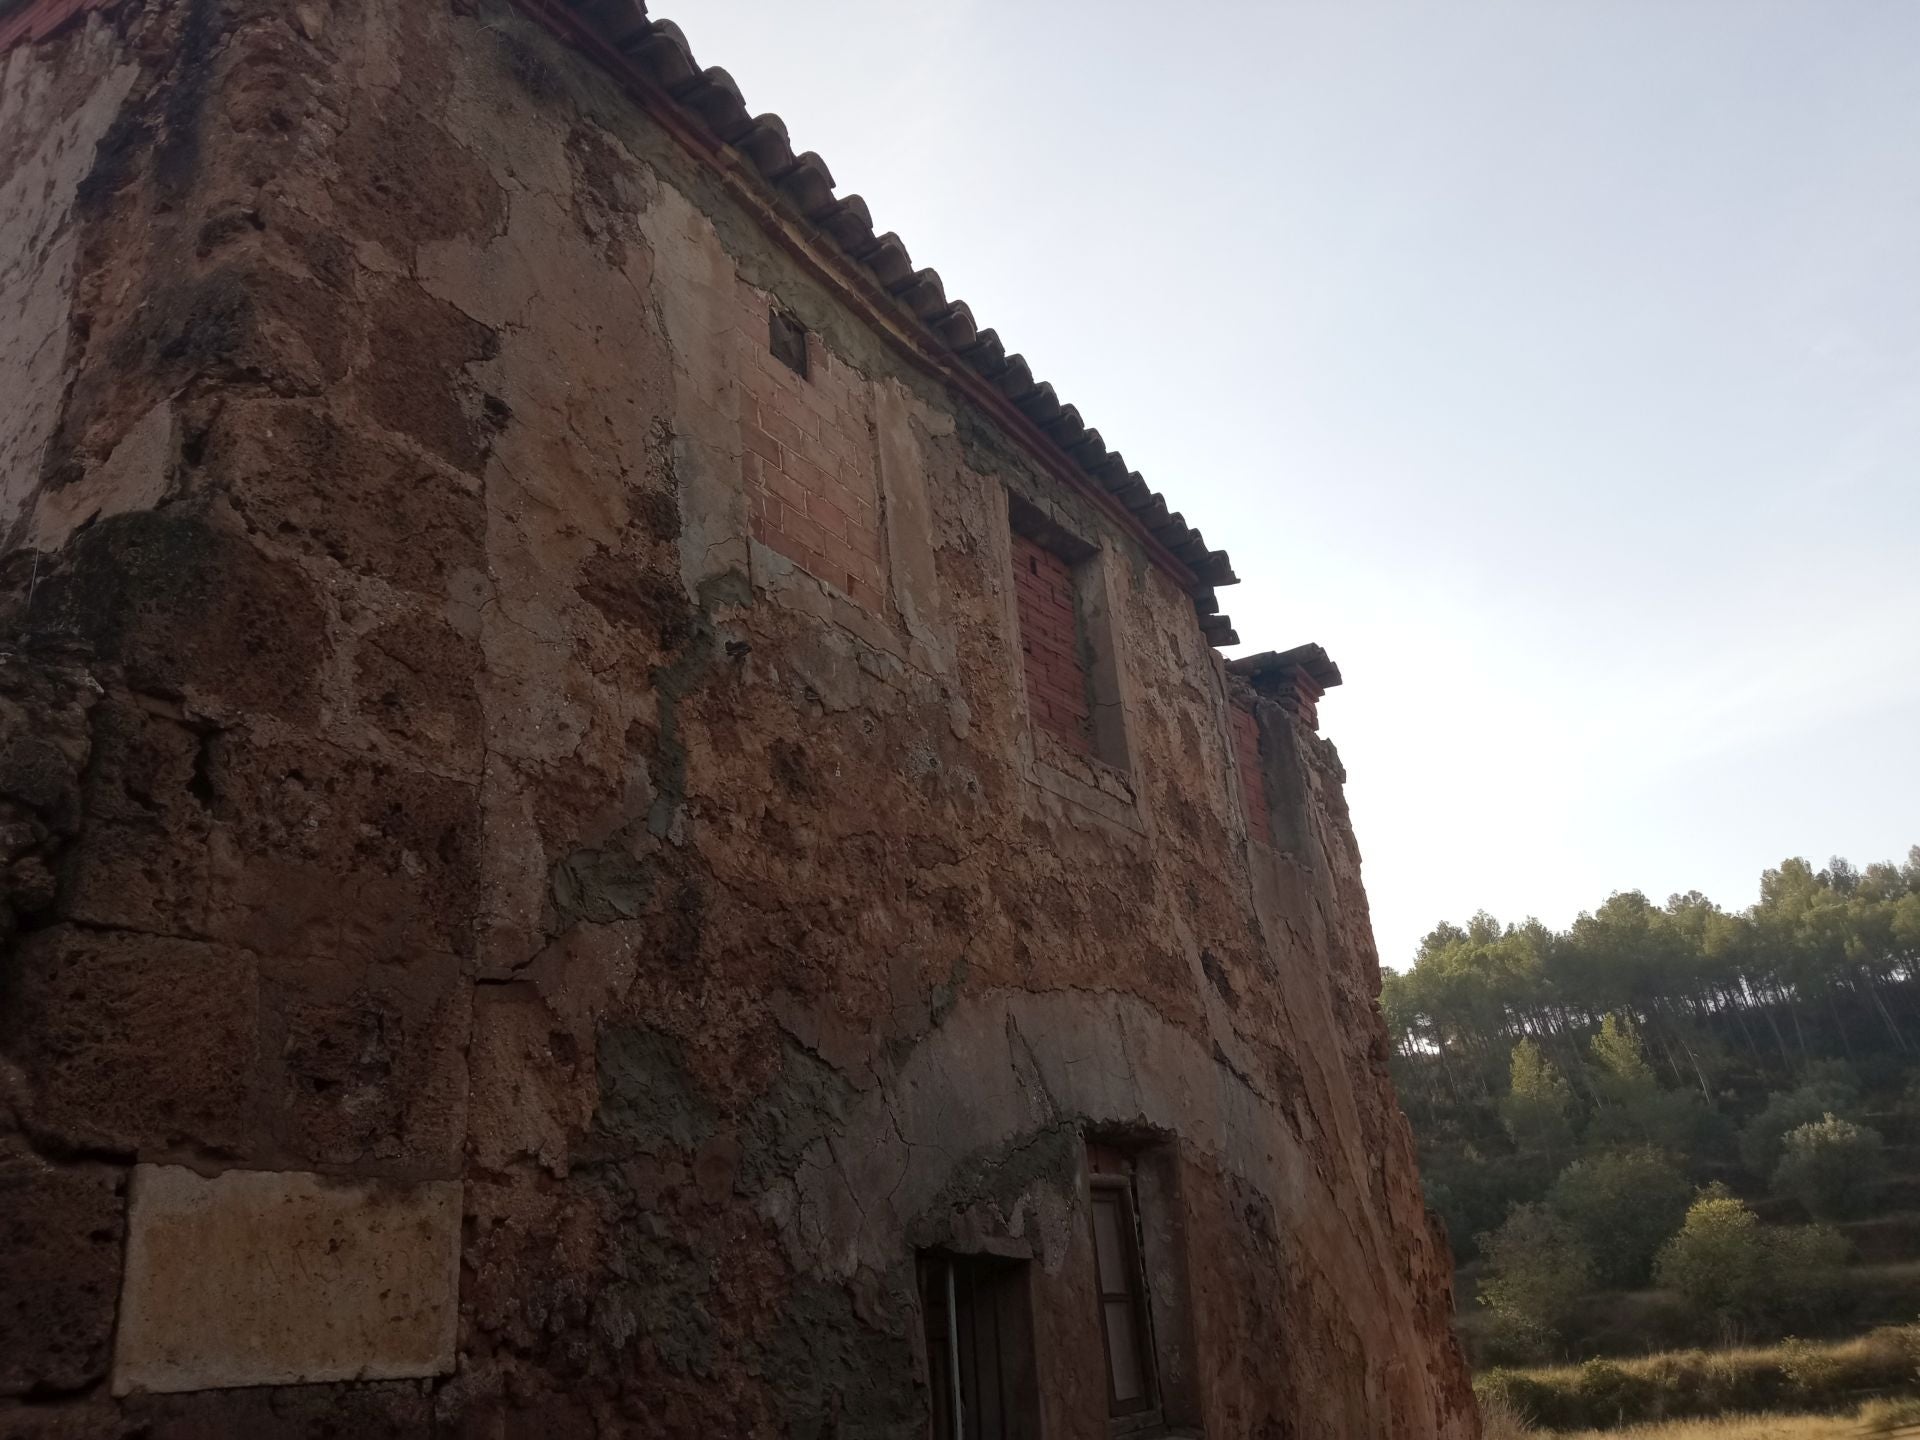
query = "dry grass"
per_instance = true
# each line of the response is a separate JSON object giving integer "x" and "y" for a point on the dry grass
{"x": 1730, "y": 1427}
{"x": 1879, "y": 1418}
{"x": 1500, "y": 1421}
{"x": 1794, "y": 1377}
{"x": 1871, "y": 1347}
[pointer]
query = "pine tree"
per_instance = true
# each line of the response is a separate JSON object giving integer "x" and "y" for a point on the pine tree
{"x": 1538, "y": 1107}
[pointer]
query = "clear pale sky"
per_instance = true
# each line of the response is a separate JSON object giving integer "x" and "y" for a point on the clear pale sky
{"x": 1554, "y": 363}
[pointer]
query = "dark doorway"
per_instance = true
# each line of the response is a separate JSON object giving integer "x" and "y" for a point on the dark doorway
{"x": 979, "y": 1347}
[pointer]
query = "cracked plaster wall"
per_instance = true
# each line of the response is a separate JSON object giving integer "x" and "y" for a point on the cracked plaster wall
{"x": 423, "y": 782}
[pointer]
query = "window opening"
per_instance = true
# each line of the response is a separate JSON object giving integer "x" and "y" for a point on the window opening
{"x": 1124, "y": 1322}
{"x": 787, "y": 338}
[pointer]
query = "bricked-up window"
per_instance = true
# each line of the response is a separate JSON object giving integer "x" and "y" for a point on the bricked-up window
{"x": 1253, "y": 774}
{"x": 1059, "y": 695}
{"x": 979, "y": 1329}
{"x": 809, "y": 462}
{"x": 1125, "y": 1323}
{"x": 787, "y": 338}
{"x": 1069, "y": 655}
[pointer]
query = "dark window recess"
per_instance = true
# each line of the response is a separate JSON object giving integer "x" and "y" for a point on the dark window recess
{"x": 979, "y": 1347}
{"x": 1124, "y": 1321}
{"x": 787, "y": 338}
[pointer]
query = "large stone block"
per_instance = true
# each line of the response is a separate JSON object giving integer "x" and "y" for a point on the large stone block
{"x": 327, "y": 490}
{"x": 324, "y": 853}
{"x": 273, "y": 1278}
{"x": 140, "y": 863}
{"x": 60, "y": 1228}
{"x": 368, "y": 1070}
{"x": 133, "y": 1042}
{"x": 189, "y": 609}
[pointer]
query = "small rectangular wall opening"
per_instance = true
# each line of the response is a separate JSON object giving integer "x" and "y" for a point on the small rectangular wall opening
{"x": 979, "y": 1331}
{"x": 787, "y": 339}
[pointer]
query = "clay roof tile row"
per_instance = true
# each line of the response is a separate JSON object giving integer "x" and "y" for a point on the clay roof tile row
{"x": 805, "y": 186}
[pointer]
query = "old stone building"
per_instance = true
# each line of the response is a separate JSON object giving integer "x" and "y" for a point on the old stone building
{"x": 614, "y": 823}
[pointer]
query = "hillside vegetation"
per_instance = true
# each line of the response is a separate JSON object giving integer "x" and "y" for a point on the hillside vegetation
{"x": 1675, "y": 1126}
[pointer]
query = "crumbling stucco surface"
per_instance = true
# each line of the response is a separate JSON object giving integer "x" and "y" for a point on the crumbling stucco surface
{"x": 418, "y": 775}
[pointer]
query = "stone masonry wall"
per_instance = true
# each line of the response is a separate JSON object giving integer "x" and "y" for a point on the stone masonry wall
{"x": 533, "y": 885}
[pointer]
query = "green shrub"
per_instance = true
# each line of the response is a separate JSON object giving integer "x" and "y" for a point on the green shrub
{"x": 1623, "y": 1205}
{"x": 1603, "y": 1388}
{"x": 1718, "y": 1259}
{"x": 1788, "y": 1110}
{"x": 1801, "y": 1251}
{"x": 1537, "y": 1271}
{"x": 1831, "y": 1166}
{"x": 1734, "y": 1271}
{"x": 1807, "y": 1281}
{"x": 1473, "y": 1194}
{"x": 1810, "y": 1370}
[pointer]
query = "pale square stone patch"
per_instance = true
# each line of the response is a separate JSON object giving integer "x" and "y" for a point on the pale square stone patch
{"x": 262, "y": 1277}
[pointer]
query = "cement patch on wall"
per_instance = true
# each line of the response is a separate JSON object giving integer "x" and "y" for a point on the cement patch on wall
{"x": 275, "y": 1278}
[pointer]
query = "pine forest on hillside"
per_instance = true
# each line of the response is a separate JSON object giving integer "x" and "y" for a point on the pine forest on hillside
{"x": 1675, "y": 1128}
